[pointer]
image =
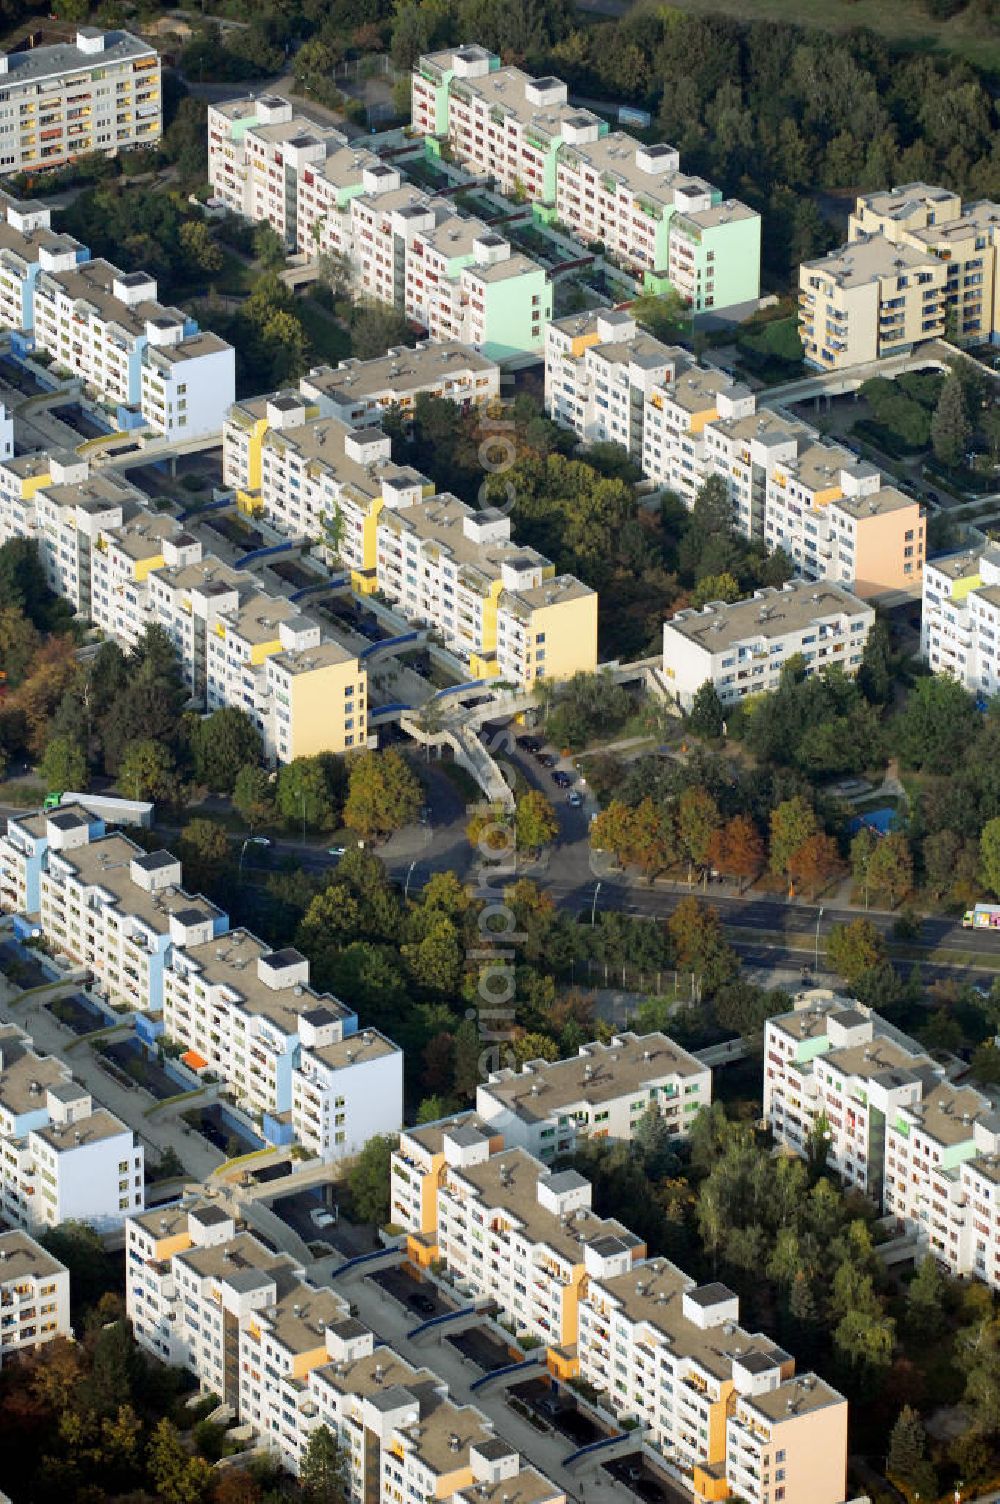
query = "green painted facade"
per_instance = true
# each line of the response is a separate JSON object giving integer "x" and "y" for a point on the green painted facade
{"x": 507, "y": 318}
{"x": 734, "y": 249}
{"x": 808, "y": 1049}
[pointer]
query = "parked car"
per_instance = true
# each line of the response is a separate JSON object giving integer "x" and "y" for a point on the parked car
{"x": 321, "y": 1217}
{"x": 562, "y": 780}
{"x": 336, "y": 851}
{"x": 529, "y": 744}
{"x": 573, "y": 799}
{"x": 546, "y": 760}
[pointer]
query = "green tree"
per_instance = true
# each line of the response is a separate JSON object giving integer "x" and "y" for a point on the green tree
{"x": 253, "y": 796}
{"x": 223, "y": 743}
{"x": 64, "y": 766}
{"x": 706, "y": 716}
{"x": 383, "y": 794}
{"x": 375, "y": 327}
{"x": 890, "y": 867}
{"x": 368, "y": 1180}
{"x": 174, "y": 1475}
{"x": 989, "y": 853}
{"x": 793, "y": 822}
{"x": 303, "y": 794}
{"x": 535, "y": 821}
{"x": 204, "y": 852}
{"x": 925, "y": 1315}
{"x": 435, "y": 961}
{"x": 907, "y": 1459}
{"x": 199, "y": 247}
{"x": 875, "y": 676}
{"x": 950, "y": 426}
{"x": 854, "y": 948}
{"x": 716, "y": 587}
{"x": 937, "y": 726}
{"x": 19, "y": 642}
{"x": 148, "y": 771}
{"x": 268, "y": 247}
{"x": 323, "y": 1469}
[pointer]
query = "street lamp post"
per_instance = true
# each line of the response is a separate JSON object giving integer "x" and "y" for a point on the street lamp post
{"x": 251, "y": 841}
{"x": 593, "y": 906}
{"x": 819, "y": 920}
{"x": 409, "y": 874}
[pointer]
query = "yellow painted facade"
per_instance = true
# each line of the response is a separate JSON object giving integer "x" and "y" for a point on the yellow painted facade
{"x": 570, "y": 629}
{"x": 583, "y": 342}
{"x": 165, "y": 1248}
{"x": 33, "y": 483}
{"x": 562, "y": 1365}
{"x": 698, "y": 420}
{"x": 145, "y": 567}
{"x": 570, "y": 1317}
{"x": 262, "y": 650}
{"x": 317, "y": 708}
{"x": 256, "y": 445}
{"x": 449, "y": 1483}
{"x": 708, "y": 1487}
{"x": 304, "y": 1363}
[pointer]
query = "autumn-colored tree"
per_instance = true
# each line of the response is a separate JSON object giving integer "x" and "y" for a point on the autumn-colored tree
{"x": 890, "y": 867}
{"x": 54, "y": 670}
{"x": 697, "y": 821}
{"x": 535, "y": 821}
{"x": 737, "y": 849}
{"x": 491, "y": 828}
{"x": 792, "y": 824}
{"x": 815, "y": 862}
{"x": 611, "y": 829}
{"x": 651, "y": 843}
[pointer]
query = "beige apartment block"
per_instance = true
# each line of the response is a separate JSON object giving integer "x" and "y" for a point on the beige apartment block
{"x": 869, "y": 299}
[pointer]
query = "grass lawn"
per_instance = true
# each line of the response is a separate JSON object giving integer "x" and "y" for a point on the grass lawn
{"x": 904, "y": 22}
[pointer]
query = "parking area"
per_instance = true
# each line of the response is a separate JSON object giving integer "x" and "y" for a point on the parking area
{"x": 423, "y": 1299}
{"x": 559, "y": 1410}
{"x": 640, "y": 1478}
{"x": 483, "y": 1349}
{"x": 77, "y": 1012}
{"x": 223, "y": 1131}
{"x": 22, "y": 967}
{"x": 143, "y": 1069}
{"x": 317, "y": 1214}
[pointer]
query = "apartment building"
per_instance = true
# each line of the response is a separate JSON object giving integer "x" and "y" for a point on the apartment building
{"x": 837, "y": 520}
{"x": 34, "y": 1296}
{"x": 100, "y": 93}
{"x": 870, "y": 299}
{"x": 358, "y": 392}
{"x": 601, "y": 369}
{"x": 742, "y": 648}
{"x": 506, "y": 1227}
{"x": 449, "y": 272}
{"x": 109, "y": 905}
{"x": 74, "y": 513}
{"x": 925, "y": 1149}
{"x": 289, "y": 1357}
{"x": 345, "y": 1091}
{"x": 258, "y": 150}
{"x": 928, "y": 218}
{"x": 605, "y": 1091}
{"x": 960, "y": 621}
{"x": 61, "y": 1158}
{"x": 498, "y": 604}
{"x": 831, "y": 1066}
{"x": 123, "y": 567}
{"x": 121, "y": 562}
{"x": 724, "y": 1406}
{"x": 665, "y": 1352}
{"x": 682, "y": 422}
{"x": 29, "y": 246}
{"x": 670, "y": 227}
{"x": 321, "y": 194}
{"x": 289, "y": 1054}
{"x": 303, "y": 693}
{"x": 147, "y": 363}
